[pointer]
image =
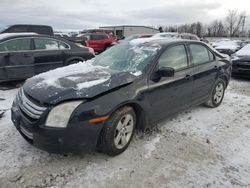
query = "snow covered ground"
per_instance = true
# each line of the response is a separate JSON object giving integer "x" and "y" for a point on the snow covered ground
{"x": 200, "y": 147}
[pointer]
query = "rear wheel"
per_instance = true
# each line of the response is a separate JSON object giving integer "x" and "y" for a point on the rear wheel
{"x": 217, "y": 94}
{"x": 119, "y": 131}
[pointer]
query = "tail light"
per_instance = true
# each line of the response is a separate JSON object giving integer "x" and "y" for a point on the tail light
{"x": 86, "y": 43}
{"x": 91, "y": 50}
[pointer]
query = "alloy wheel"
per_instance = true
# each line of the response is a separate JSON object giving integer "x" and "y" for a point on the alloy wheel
{"x": 218, "y": 95}
{"x": 124, "y": 131}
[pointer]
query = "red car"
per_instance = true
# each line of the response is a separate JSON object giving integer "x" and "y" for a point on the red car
{"x": 98, "y": 41}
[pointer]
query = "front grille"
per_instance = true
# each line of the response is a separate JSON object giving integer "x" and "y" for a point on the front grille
{"x": 244, "y": 66}
{"x": 30, "y": 109}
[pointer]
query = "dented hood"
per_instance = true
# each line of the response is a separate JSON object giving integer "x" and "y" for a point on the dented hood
{"x": 74, "y": 82}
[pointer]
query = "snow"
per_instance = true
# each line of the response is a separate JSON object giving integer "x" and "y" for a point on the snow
{"x": 164, "y": 157}
{"x": 74, "y": 73}
{"x": 151, "y": 146}
{"x": 145, "y": 40}
{"x": 232, "y": 45}
{"x": 6, "y": 35}
{"x": 245, "y": 51}
{"x": 165, "y": 35}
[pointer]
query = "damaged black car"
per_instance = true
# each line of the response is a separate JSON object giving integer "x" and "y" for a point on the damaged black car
{"x": 100, "y": 103}
{"x": 23, "y": 55}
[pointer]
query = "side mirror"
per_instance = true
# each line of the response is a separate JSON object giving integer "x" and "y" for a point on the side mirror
{"x": 166, "y": 72}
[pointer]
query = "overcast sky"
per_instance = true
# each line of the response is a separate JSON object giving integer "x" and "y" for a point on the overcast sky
{"x": 81, "y": 14}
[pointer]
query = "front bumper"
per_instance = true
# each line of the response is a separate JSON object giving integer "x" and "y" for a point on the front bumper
{"x": 226, "y": 51}
{"x": 76, "y": 137}
{"x": 241, "y": 69}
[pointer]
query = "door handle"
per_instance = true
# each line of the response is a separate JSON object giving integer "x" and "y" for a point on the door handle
{"x": 26, "y": 55}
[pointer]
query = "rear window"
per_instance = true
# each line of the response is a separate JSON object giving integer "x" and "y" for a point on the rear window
{"x": 99, "y": 37}
{"x": 42, "y": 30}
{"x": 18, "y": 29}
{"x": 15, "y": 45}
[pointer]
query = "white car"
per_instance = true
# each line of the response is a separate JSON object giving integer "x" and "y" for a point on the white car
{"x": 165, "y": 34}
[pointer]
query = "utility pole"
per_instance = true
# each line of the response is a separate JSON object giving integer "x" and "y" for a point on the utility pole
{"x": 243, "y": 25}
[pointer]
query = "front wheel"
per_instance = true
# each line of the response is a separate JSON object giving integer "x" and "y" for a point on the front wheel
{"x": 217, "y": 94}
{"x": 119, "y": 131}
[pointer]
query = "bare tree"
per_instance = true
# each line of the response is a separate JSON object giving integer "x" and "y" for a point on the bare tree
{"x": 234, "y": 21}
{"x": 199, "y": 28}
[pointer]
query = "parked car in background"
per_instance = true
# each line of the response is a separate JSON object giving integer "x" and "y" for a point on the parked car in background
{"x": 226, "y": 46}
{"x": 241, "y": 62}
{"x": 98, "y": 41}
{"x": 23, "y": 55}
{"x": 188, "y": 36}
{"x": 166, "y": 34}
{"x": 132, "y": 85}
{"x": 62, "y": 35}
{"x": 23, "y": 28}
{"x": 136, "y": 36}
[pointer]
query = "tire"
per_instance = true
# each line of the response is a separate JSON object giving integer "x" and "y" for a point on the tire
{"x": 118, "y": 131}
{"x": 74, "y": 61}
{"x": 217, "y": 94}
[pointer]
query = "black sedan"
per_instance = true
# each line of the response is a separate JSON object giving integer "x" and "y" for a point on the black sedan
{"x": 23, "y": 55}
{"x": 99, "y": 104}
{"x": 241, "y": 62}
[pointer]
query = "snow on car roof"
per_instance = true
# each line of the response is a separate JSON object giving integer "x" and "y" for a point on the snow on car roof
{"x": 6, "y": 35}
{"x": 225, "y": 44}
{"x": 165, "y": 35}
{"x": 245, "y": 51}
{"x": 145, "y": 40}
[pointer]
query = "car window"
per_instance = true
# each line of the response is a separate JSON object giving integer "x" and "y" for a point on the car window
{"x": 15, "y": 45}
{"x": 42, "y": 30}
{"x": 99, "y": 37}
{"x": 185, "y": 37}
{"x": 46, "y": 44}
{"x": 174, "y": 57}
{"x": 63, "y": 45}
{"x": 193, "y": 38}
{"x": 18, "y": 29}
{"x": 88, "y": 37}
{"x": 200, "y": 53}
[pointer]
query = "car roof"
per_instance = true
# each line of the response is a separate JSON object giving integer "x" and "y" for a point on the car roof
{"x": 13, "y": 35}
{"x": 188, "y": 34}
{"x": 160, "y": 41}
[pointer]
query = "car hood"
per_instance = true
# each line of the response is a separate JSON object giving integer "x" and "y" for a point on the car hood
{"x": 73, "y": 82}
{"x": 241, "y": 58}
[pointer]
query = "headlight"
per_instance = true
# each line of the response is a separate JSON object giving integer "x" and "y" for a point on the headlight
{"x": 59, "y": 115}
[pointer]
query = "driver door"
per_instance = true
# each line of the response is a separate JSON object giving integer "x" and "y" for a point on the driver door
{"x": 168, "y": 95}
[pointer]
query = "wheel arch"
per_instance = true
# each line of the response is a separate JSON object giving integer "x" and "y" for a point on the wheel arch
{"x": 75, "y": 58}
{"x": 225, "y": 78}
{"x": 141, "y": 120}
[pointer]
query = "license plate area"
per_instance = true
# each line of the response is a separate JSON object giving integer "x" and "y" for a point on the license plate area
{"x": 26, "y": 132}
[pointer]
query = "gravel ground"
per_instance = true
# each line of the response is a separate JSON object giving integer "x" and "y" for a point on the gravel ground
{"x": 200, "y": 147}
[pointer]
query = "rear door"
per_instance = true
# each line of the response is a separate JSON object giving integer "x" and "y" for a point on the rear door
{"x": 204, "y": 66}
{"x": 48, "y": 54}
{"x": 16, "y": 59}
